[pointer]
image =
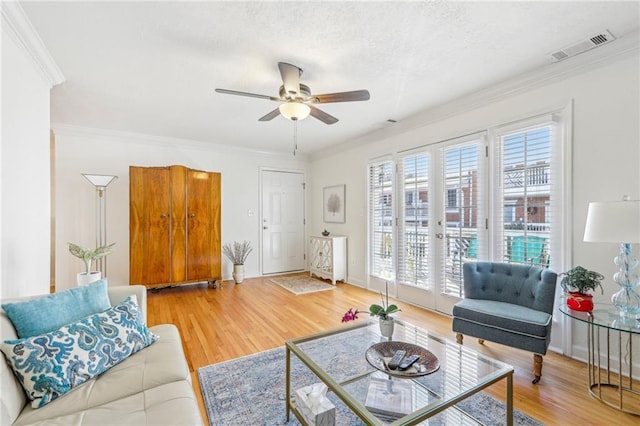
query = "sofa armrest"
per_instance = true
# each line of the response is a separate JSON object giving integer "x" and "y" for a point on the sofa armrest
{"x": 118, "y": 293}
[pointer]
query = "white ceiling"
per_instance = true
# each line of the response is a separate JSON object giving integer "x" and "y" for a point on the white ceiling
{"x": 152, "y": 67}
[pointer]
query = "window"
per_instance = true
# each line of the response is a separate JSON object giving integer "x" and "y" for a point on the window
{"x": 460, "y": 174}
{"x": 381, "y": 217}
{"x": 413, "y": 232}
{"x": 436, "y": 207}
{"x": 452, "y": 198}
{"x": 525, "y": 180}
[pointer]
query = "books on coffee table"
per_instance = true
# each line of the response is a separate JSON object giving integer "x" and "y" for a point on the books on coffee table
{"x": 389, "y": 398}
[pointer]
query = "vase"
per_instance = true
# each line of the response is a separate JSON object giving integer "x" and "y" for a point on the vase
{"x": 83, "y": 278}
{"x": 580, "y": 302}
{"x": 386, "y": 327}
{"x": 238, "y": 273}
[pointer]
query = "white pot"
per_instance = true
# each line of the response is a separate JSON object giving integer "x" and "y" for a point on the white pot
{"x": 83, "y": 278}
{"x": 386, "y": 327}
{"x": 238, "y": 273}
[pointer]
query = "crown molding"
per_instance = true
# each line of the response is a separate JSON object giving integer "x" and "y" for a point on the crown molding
{"x": 623, "y": 47}
{"x": 19, "y": 27}
{"x": 64, "y": 129}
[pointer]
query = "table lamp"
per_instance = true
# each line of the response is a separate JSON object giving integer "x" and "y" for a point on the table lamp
{"x": 619, "y": 222}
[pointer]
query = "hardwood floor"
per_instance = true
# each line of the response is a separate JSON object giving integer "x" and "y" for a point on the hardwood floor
{"x": 236, "y": 320}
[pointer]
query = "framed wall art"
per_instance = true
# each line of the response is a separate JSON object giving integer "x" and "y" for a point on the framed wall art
{"x": 333, "y": 204}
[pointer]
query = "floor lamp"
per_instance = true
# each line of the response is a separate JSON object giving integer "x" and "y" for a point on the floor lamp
{"x": 101, "y": 182}
{"x": 619, "y": 222}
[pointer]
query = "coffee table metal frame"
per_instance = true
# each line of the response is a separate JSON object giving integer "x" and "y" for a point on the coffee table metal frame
{"x": 502, "y": 371}
{"x": 606, "y": 318}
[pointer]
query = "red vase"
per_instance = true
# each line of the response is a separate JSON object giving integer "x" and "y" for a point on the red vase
{"x": 580, "y": 302}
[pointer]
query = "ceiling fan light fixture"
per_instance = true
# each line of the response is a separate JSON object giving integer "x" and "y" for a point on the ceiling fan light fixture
{"x": 294, "y": 110}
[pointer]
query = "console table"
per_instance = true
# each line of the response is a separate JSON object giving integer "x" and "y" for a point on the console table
{"x": 328, "y": 257}
{"x": 606, "y": 331}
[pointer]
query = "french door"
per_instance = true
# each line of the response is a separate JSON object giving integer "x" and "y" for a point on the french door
{"x": 441, "y": 192}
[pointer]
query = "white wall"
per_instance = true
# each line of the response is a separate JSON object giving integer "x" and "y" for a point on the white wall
{"x": 24, "y": 175}
{"x": 92, "y": 151}
{"x": 606, "y": 149}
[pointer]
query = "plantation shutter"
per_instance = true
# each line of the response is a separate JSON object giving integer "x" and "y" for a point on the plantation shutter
{"x": 381, "y": 205}
{"x": 527, "y": 185}
{"x": 413, "y": 233}
{"x": 464, "y": 198}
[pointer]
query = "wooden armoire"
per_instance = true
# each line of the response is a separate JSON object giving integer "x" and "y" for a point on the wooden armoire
{"x": 174, "y": 226}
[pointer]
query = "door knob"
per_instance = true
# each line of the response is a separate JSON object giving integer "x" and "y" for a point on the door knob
{"x": 192, "y": 215}
{"x": 440, "y": 235}
{"x": 163, "y": 216}
{"x": 264, "y": 227}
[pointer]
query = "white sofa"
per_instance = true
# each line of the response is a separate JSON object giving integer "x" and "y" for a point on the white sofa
{"x": 151, "y": 387}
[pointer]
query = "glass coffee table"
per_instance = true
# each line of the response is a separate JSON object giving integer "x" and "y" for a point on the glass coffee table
{"x": 337, "y": 359}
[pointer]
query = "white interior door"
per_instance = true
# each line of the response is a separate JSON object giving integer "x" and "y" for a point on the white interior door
{"x": 282, "y": 222}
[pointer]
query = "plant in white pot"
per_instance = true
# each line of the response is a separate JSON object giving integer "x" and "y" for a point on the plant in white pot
{"x": 88, "y": 256}
{"x": 237, "y": 254}
{"x": 383, "y": 312}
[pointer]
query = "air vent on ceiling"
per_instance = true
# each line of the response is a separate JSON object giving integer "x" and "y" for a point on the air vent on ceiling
{"x": 594, "y": 41}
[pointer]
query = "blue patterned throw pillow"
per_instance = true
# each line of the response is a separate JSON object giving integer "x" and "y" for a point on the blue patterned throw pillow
{"x": 53, "y": 363}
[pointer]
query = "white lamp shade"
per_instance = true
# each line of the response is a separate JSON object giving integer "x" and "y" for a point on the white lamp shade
{"x": 101, "y": 181}
{"x": 613, "y": 222}
{"x": 294, "y": 110}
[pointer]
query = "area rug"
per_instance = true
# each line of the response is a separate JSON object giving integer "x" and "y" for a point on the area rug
{"x": 302, "y": 284}
{"x": 251, "y": 391}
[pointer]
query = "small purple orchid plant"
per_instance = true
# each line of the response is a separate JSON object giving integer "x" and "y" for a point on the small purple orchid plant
{"x": 383, "y": 311}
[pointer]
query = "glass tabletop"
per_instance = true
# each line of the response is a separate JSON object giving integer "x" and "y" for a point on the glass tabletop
{"x": 339, "y": 356}
{"x": 604, "y": 315}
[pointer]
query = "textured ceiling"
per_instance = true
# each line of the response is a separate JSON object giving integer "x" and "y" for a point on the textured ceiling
{"x": 152, "y": 67}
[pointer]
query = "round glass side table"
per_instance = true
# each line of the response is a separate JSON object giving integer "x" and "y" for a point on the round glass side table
{"x": 610, "y": 347}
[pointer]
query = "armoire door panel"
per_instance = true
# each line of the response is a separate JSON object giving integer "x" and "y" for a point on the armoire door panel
{"x": 178, "y": 224}
{"x": 216, "y": 227}
{"x": 149, "y": 226}
{"x": 199, "y": 221}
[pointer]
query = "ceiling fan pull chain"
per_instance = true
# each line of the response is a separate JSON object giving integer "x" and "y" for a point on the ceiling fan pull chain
{"x": 295, "y": 137}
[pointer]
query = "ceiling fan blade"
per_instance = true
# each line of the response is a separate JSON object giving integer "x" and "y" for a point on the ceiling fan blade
{"x": 355, "y": 95}
{"x": 252, "y": 95}
{"x": 290, "y": 78}
{"x": 273, "y": 114}
{"x": 322, "y": 116}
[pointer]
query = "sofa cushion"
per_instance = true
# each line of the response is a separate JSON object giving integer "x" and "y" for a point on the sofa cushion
{"x": 158, "y": 364}
{"x": 168, "y": 404}
{"x": 505, "y": 316}
{"x": 48, "y": 313}
{"x": 51, "y": 364}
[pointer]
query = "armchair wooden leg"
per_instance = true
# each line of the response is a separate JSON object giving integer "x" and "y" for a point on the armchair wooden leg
{"x": 459, "y": 338}
{"x": 537, "y": 368}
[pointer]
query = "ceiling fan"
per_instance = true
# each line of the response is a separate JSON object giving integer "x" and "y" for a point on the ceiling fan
{"x": 296, "y": 100}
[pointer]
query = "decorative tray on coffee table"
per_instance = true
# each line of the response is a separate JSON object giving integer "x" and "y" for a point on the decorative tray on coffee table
{"x": 381, "y": 353}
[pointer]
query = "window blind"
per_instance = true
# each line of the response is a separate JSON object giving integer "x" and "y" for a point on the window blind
{"x": 464, "y": 188}
{"x": 413, "y": 232}
{"x": 381, "y": 216}
{"x": 525, "y": 194}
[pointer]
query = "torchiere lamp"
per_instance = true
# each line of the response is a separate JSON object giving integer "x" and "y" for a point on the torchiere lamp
{"x": 101, "y": 182}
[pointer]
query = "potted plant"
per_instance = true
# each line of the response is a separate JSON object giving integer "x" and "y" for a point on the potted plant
{"x": 383, "y": 312}
{"x": 88, "y": 256}
{"x": 237, "y": 254}
{"x": 576, "y": 282}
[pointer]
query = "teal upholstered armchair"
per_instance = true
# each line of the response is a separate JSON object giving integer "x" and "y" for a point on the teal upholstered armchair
{"x": 510, "y": 304}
